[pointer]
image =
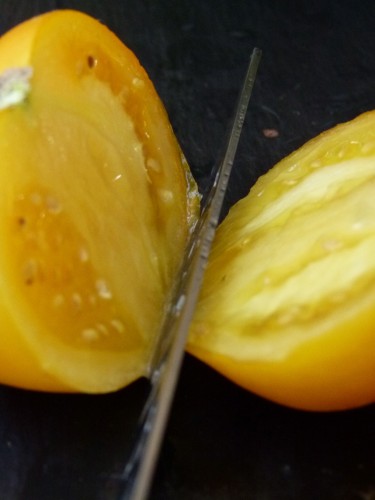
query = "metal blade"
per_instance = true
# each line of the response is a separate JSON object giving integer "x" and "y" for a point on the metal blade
{"x": 169, "y": 351}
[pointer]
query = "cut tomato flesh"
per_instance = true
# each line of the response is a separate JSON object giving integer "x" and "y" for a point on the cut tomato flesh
{"x": 97, "y": 204}
{"x": 289, "y": 292}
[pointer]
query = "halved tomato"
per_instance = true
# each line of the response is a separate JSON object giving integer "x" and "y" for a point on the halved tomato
{"x": 96, "y": 207}
{"x": 287, "y": 308}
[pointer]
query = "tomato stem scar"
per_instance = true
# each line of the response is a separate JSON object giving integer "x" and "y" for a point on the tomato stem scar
{"x": 14, "y": 86}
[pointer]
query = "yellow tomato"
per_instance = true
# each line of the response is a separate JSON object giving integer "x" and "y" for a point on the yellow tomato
{"x": 287, "y": 308}
{"x": 96, "y": 207}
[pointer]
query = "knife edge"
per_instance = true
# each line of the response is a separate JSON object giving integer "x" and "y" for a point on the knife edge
{"x": 169, "y": 350}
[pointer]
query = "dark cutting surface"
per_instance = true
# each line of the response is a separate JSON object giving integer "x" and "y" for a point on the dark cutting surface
{"x": 222, "y": 443}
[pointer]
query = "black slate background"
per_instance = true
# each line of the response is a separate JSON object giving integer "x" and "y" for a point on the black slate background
{"x": 222, "y": 443}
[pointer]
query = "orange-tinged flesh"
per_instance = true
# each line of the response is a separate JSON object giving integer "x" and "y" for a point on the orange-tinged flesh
{"x": 287, "y": 308}
{"x": 97, "y": 204}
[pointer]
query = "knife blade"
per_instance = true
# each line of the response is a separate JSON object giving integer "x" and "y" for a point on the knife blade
{"x": 169, "y": 349}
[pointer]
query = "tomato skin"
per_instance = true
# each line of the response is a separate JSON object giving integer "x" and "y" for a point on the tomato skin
{"x": 318, "y": 376}
{"x": 287, "y": 308}
{"x": 19, "y": 367}
{"x": 333, "y": 371}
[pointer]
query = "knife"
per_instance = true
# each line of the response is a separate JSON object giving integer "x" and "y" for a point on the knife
{"x": 170, "y": 347}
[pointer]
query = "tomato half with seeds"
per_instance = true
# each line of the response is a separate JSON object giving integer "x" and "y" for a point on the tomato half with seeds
{"x": 287, "y": 308}
{"x": 97, "y": 204}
